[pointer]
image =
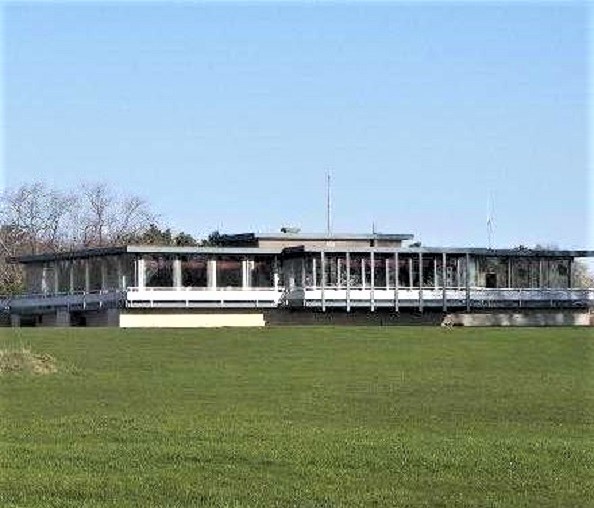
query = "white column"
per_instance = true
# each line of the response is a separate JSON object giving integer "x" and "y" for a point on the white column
{"x": 211, "y": 273}
{"x": 410, "y": 273}
{"x": 103, "y": 274}
{"x": 435, "y": 285}
{"x": 244, "y": 273}
{"x": 177, "y": 272}
{"x": 314, "y": 275}
{"x": 56, "y": 274}
{"x": 276, "y": 276}
{"x": 71, "y": 276}
{"x": 363, "y": 273}
{"x": 387, "y": 273}
{"x": 302, "y": 263}
{"x": 87, "y": 275}
{"x": 140, "y": 273}
{"x": 44, "y": 281}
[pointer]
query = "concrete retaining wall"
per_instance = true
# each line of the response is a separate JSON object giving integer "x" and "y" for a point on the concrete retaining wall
{"x": 527, "y": 318}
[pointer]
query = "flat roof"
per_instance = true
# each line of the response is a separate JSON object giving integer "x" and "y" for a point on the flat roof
{"x": 142, "y": 249}
{"x": 252, "y": 237}
{"x": 477, "y": 251}
{"x": 157, "y": 249}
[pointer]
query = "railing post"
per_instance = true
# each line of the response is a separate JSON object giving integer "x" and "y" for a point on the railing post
{"x": 444, "y": 281}
{"x": 372, "y": 282}
{"x": 420, "y": 282}
{"x": 323, "y": 281}
{"x": 348, "y": 282}
{"x": 467, "y": 282}
{"x": 396, "y": 281}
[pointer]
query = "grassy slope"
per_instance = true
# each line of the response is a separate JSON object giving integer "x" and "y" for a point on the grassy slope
{"x": 305, "y": 416}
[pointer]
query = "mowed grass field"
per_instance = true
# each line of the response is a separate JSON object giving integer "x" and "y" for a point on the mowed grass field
{"x": 301, "y": 417}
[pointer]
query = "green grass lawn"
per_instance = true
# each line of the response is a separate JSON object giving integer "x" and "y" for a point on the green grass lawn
{"x": 301, "y": 417}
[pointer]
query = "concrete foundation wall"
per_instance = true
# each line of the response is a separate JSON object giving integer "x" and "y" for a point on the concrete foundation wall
{"x": 156, "y": 319}
{"x": 356, "y": 318}
{"x": 543, "y": 318}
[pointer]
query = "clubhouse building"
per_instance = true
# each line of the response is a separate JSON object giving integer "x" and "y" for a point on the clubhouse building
{"x": 257, "y": 279}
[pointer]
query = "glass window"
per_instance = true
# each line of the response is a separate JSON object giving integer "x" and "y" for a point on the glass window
{"x": 95, "y": 273}
{"x": 79, "y": 274}
{"x": 262, "y": 272}
{"x": 63, "y": 276}
{"x": 158, "y": 271}
{"x": 229, "y": 273}
{"x": 194, "y": 271}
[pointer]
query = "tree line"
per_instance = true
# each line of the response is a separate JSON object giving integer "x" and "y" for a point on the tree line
{"x": 36, "y": 218}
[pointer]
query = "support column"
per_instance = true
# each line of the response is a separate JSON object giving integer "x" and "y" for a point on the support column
{"x": 302, "y": 261}
{"x": 420, "y": 281}
{"x": 140, "y": 273}
{"x": 509, "y": 273}
{"x": 569, "y": 273}
{"x": 103, "y": 275}
{"x": 444, "y": 280}
{"x": 211, "y": 273}
{"x": 458, "y": 274}
{"x": 44, "y": 281}
{"x": 276, "y": 274}
{"x": 540, "y": 274}
{"x": 467, "y": 282}
{"x": 323, "y": 281}
{"x": 387, "y": 273}
{"x": 62, "y": 318}
{"x": 348, "y": 281}
{"x": 177, "y": 273}
{"x": 410, "y": 273}
{"x": 87, "y": 275}
{"x": 362, "y": 273}
{"x": 314, "y": 277}
{"x": 71, "y": 276}
{"x": 120, "y": 272}
{"x": 435, "y": 285}
{"x": 396, "y": 282}
{"x": 56, "y": 274}
{"x": 372, "y": 282}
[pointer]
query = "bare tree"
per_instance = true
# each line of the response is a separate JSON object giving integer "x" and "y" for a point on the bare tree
{"x": 38, "y": 214}
{"x": 35, "y": 218}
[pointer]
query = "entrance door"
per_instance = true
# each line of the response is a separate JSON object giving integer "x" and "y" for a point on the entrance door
{"x": 491, "y": 280}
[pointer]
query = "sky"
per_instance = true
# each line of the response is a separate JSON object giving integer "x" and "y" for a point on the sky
{"x": 228, "y": 115}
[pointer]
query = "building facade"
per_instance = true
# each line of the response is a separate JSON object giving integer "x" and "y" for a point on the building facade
{"x": 253, "y": 280}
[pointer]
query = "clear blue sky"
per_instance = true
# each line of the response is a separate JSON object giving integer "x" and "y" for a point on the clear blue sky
{"x": 228, "y": 115}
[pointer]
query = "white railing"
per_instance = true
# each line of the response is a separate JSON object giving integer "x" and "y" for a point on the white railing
{"x": 188, "y": 296}
{"x": 435, "y": 297}
{"x": 270, "y": 296}
{"x": 79, "y": 299}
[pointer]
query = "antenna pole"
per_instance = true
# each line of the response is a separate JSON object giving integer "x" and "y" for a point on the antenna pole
{"x": 328, "y": 205}
{"x": 490, "y": 220}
